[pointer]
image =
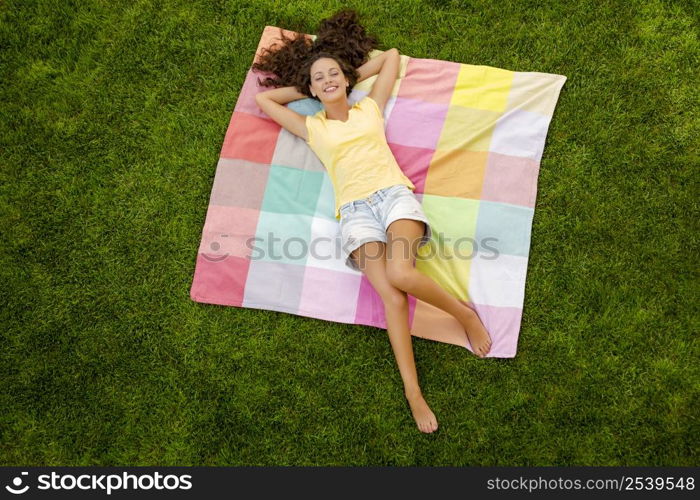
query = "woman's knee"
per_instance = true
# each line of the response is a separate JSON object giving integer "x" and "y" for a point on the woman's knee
{"x": 394, "y": 298}
{"x": 400, "y": 277}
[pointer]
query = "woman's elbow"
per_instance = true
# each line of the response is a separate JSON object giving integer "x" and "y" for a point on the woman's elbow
{"x": 262, "y": 100}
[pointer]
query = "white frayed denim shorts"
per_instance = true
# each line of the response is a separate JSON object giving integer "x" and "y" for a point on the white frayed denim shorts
{"x": 365, "y": 220}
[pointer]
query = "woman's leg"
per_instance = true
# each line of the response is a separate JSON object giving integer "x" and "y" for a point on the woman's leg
{"x": 371, "y": 260}
{"x": 403, "y": 238}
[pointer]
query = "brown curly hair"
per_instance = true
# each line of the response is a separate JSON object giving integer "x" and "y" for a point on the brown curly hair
{"x": 340, "y": 37}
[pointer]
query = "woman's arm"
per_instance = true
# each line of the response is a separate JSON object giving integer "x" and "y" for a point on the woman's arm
{"x": 386, "y": 79}
{"x": 372, "y": 67}
{"x": 283, "y": 95}
{"x": 272, "y": 102}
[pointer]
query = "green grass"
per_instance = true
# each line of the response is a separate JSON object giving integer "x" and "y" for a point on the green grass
{"x": 113, "y": 118}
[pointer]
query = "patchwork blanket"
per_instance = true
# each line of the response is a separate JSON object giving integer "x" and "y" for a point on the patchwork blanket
{"x": 469, "y": 137}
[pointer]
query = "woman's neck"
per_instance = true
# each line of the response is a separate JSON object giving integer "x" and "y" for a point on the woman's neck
{"x": 339, "y": 110}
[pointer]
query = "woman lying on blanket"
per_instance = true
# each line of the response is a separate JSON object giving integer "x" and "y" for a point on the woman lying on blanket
{"x": 381, "y": 222}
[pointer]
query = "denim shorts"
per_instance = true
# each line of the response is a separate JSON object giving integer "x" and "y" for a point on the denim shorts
{"x": 366, "y": 220}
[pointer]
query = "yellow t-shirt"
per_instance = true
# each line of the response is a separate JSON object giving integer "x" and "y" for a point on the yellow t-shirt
{"x": 355, "y": 152}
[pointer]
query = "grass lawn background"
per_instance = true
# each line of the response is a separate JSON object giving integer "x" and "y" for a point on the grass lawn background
{"x": 113, "y": 116}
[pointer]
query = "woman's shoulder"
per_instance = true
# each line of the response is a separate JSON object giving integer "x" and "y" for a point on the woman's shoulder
{"x": 368, "y": 98}
{"x": 317, "y": 117}
{"x": 368, "y": 103}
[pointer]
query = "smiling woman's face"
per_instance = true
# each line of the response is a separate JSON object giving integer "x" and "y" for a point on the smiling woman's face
{"x": 326, "y": 74}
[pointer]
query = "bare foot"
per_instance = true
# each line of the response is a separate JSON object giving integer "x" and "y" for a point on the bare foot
{"x": 423, "y": 415}
{"x": 476, "y": 333}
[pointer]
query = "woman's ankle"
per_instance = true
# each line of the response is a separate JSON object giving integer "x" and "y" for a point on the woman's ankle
{"x": 466, "y": 313}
